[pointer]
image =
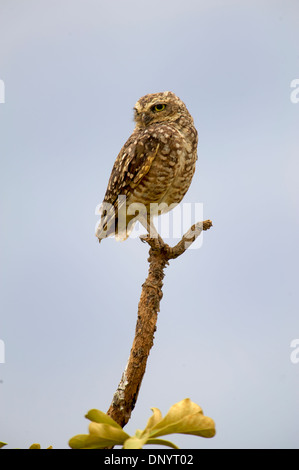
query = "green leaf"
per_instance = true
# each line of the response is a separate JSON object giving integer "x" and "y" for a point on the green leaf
{"x": 154, "y": 419}
{"x": 86, "y": 441}
{"x": 162, "y": 442}
{"x": 100, "y": 434}
{"x": 118, "y": 435}
{"x": 135, "y": 442}
{"x": 2, "y": 444}
{"x": 98, "y": 416}
{"x": 185, "y": 417}
{"x": 37, "y": 446}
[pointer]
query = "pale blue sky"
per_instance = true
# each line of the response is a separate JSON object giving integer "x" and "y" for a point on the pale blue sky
{"x": 73, "y": 70}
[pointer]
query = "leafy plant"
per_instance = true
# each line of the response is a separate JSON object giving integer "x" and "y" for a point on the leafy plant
{"x": 33, "y": 446}
{"x": 37, "y": 446}
{"x": 185, "y": 417}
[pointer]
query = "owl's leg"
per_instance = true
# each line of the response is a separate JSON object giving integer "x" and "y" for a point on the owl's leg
{"x": 152, "y": 233}
{"x": 147, "y": 222}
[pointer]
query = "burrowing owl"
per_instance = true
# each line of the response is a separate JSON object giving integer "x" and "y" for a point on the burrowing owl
{"x": 154, "y": 169}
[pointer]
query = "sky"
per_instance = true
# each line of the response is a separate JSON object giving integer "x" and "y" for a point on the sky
{"x": 71, "y": 72}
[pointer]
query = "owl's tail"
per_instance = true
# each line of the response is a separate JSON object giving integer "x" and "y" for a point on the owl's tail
{"x": 110, "y": 225}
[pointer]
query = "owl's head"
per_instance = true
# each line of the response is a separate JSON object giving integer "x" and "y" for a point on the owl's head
{"x": 158, "y": 107}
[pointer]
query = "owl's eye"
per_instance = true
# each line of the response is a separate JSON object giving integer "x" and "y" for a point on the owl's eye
{"x": 159, "y": 107}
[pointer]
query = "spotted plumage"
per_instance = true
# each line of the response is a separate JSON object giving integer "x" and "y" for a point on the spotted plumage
{"x": 154, "y": 167}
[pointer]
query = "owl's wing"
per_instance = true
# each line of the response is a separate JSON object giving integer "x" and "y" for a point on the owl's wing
{"x": 132, "y": 164}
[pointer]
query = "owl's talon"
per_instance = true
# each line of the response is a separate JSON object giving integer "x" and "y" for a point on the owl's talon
{"x": 144, "y": 238}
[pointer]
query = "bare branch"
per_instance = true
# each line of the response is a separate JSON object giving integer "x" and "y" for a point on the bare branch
{"x": 160, "y": 253}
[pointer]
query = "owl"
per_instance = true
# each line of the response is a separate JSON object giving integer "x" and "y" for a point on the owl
{"x": 153, "y": 170}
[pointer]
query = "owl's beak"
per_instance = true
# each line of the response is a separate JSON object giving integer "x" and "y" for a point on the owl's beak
{"x": 145, "y": 118}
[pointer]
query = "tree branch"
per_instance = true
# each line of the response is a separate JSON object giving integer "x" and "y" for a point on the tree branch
{"x": 160, "y": 253}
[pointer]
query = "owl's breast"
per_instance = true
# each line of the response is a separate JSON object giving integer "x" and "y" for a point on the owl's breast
{"x": 172, "y": 169}
{"x": 184, "y": 156}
